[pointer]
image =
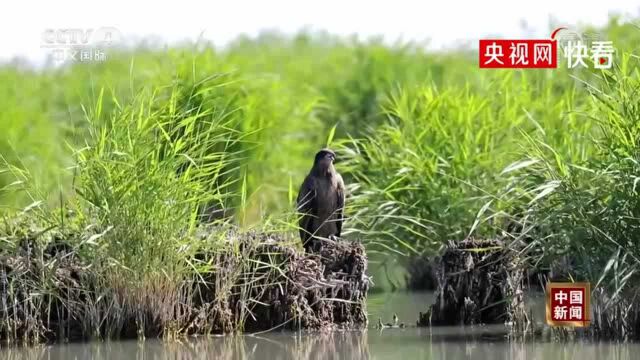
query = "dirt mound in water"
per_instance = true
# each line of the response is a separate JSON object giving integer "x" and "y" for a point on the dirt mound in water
{"x": 260, "y": 283}
{"x": 295, "y": 290}
{"x": 479, "y": 282}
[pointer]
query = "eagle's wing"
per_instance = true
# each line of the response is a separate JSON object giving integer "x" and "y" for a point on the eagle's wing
{"x": 340, "y": 193}
{"x": 307, "y": 205}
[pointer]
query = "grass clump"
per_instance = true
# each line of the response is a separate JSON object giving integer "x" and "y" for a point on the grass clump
{"x": 584, "y": 213}
{"x": 130, "y": 227}
{"x": 128, "y": 254}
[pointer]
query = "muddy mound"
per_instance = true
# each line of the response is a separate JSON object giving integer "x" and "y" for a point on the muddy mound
{"x": 291, "y": 289}
{"x": 255, "y": 282}
{"x": 479, "y": 282}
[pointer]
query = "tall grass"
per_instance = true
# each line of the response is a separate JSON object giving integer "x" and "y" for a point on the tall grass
{"x": 150, "y": 167}
{"x": 435, "y": 166}
{"x": 423, "y": 139}
{"x": 587, "y": 210}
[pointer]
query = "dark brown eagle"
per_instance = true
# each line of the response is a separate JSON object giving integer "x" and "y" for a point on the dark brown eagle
{"x": 321, "y": 202}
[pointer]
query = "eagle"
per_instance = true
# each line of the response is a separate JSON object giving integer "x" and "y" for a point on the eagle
{"x": 321, "y": 202}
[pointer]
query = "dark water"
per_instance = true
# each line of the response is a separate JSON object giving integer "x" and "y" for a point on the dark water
{"x": 484, "y": 342}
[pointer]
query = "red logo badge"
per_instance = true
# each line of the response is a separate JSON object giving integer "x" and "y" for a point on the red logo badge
{"x": 568, "y": 304}
{"x": 518, "y": 54}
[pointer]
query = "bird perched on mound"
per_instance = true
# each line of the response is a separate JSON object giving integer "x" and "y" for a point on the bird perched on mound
{"x": 321, "y": 202}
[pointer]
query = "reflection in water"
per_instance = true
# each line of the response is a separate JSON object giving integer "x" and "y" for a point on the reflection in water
{"x": 482, "y": 342}
{"x": 334, "y": 345}
{"x": 398, "y": 345}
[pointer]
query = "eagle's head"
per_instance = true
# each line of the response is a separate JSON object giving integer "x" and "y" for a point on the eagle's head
{"x": 324, "y": 160}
